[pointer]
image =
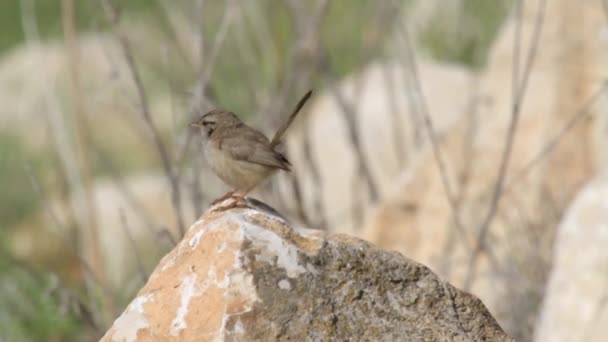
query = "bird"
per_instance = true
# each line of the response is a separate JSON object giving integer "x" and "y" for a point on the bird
{"x": 240, "y": 155}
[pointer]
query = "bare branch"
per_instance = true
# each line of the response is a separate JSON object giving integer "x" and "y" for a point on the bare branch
{"x": 172, "y": 176}
{"x": 432, "y": 136}
{"x": 581, "y": 114}
{"x": 519, "y": 91}
{"x": 208, "y": 67}
{"x": 140, "y": 265}
{"x": 60, "y": 230}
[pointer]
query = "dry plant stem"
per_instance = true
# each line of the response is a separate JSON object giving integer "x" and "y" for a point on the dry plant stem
{"x": 197, "y": 193}
{"x": 349, "y": 113}
{"x": 165, "y": 21}
{"x": 86, "y": 268}
{"x": 206, "y": 69}
{"x": 298, "y": 68}
{"x": 398, "y": 129}
{"x": 581, "y": 114}
{"x": 519, "y": 91}
{"x": 432, "y": 135}
{"x": 60, "y": 138}
{"x": 135, "y": 205}
{"x": 140, "y": 265}
{"x": 170, "y": 173}
{"x": 295, "y": 74}
{"x": 472, "y": 124}
{"x": 92, "y": 238}
{"x": 40, "y": 277}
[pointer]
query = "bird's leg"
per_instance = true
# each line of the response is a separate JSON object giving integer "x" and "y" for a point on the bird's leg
{"x": 223, "y": 198}
{"x": 238, "y": 202}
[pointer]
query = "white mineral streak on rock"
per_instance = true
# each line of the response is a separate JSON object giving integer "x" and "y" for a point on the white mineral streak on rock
{"x": 284, "y": 284}
{"x": 131, "y": 321}
{"x": 273, "y": 246}
{"x": 168, "y": 263}
{"x": 197, "y": 238}
{"x": 188, "y": 290}
{"x": 238, "y": 284}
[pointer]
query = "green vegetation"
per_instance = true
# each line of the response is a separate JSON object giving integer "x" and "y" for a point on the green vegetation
{"x": 17, "y": 199}
{"x": 33, "y": 308}
{"x": 465, "y": 37}
{"x": 48, "y": 17}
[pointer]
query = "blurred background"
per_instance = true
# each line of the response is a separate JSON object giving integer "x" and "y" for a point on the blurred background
{"x": 467, "y": 134}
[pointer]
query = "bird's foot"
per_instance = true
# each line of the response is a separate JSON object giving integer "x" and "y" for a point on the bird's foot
{"x": 237, "y": 202}
{"x": 223, "y": 198}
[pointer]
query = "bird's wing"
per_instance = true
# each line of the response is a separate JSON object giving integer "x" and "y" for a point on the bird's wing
{"x": 257, "y": 150}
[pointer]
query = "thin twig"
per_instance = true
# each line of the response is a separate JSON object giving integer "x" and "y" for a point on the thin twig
{"x": 519, "y": 91}
{"x": 349, "y": 112}
{"x": 140, "y": 265}
{"x": 173, "y": 178}
{"x": 432, "y": 136}
{"x": 581, "y": 114}
{"x": 196, "y": 190}
{"x": 206, "y": 69}
{"x": 64, "y": 147}
{"x": 92, "y": 242}
{"x": 38, "y": 275}
{"x": 57, "y": 223}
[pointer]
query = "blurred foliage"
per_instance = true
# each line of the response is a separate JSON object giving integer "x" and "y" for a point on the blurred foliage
{"x": 462, "y": 34}
{"x": 48, "y": 17}
{"x": 17, "y": 199}
{"x": 32, "y": 307}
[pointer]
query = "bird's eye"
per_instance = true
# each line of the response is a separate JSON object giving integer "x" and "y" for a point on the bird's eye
{"x": 207, "y": 123}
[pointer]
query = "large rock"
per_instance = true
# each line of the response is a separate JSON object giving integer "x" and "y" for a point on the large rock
{"x": 417, "y": 218}
{"x": 574, "y": 308}
{"x": 247, "y": 275}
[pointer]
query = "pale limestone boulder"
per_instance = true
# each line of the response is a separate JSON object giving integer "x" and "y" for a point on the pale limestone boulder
{"x": 416, "y": 218}
{"x": 574, "y": 307}
{"x": 246, "y": 275}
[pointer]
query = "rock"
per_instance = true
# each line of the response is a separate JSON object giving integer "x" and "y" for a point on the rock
{"x": 247, "y": 275}
{"x": 574, "y": 307}
{"x": 417, "y": 219}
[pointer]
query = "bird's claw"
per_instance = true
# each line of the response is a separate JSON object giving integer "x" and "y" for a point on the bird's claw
{"x": 223, "y": 198}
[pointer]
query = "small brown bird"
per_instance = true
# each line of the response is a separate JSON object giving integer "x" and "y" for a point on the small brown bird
{"x": 240, "y": 155}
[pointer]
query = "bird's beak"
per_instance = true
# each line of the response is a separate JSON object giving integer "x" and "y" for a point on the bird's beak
{"x": 195, "y": 124}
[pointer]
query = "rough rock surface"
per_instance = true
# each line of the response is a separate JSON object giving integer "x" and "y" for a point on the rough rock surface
{"x": 574, "y": 308}
{"x": 247, "y": 275}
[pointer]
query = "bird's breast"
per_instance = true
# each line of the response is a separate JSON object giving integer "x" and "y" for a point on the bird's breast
{"x": 239, "y": 174}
